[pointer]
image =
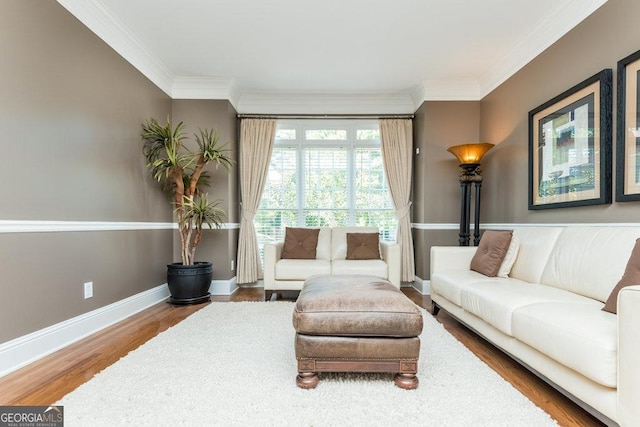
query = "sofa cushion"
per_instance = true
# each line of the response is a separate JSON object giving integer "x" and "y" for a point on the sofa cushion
{"x": 323, "y": 251}
{"x": 375, "y": 267}
{"x": 509, "y": 257}
{"x": 362, "y": 246}
{"x": 630, "y": 277}
{"x": 300, "y": 243}
{"x": 569, "y": 331}
{"x": 590, "y": 260}
{"x": 495, "y": 301}
{"x": 450, "y": 283}
{"x": 536, "y": 243}
{"x": 301, "y": 269}
{"x": 491, "y": 251}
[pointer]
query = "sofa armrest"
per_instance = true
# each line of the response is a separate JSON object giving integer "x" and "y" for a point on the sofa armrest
{"x": 628, "y": 355}
{"x": 451, "y": 258}
{"x": 390, "y": 253}
{"x": 272, "y": 253}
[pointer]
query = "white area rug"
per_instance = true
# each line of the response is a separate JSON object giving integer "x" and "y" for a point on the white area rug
{"x": 234, "y": 364}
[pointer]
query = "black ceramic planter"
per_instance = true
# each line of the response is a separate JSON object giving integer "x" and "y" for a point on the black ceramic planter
{"x": 189, "y": 284}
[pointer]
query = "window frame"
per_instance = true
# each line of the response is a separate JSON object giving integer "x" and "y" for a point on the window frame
{"x": 351, "y": 144}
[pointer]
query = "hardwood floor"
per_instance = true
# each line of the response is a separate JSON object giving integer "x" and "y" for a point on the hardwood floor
{"x": 49, "y": 379}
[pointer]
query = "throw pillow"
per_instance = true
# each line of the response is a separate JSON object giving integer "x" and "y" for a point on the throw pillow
{"x": 491, "y": 252}
{"x": 630, "y": 277}
{"x": 363, "y": 246}
{"x": 300, "y": 243}
{"x": 510, "y": 257}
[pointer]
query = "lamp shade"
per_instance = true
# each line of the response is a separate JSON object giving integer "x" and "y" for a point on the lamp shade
{"x": 470, "y": 154}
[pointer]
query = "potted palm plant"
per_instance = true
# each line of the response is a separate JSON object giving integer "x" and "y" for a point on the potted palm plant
{"x": 182, "y": 176}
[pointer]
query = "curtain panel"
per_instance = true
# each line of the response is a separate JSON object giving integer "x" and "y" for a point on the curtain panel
{"x": 396, "y": 138}
{"x": 256, "y": 144}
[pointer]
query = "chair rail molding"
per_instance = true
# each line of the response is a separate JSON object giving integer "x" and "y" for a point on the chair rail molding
{"x": 19, "y": 226}
{"x": 502, "y": 226}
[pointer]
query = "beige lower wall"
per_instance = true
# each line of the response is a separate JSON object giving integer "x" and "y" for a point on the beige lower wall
{"x": 218, "y": 247}
{"x": 423, "y": 240}
{"x": 43, "y": 273}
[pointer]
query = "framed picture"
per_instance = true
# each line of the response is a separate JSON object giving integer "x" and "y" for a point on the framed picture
{"x": 570, "y": 146}
{"x": 628, "y": 135}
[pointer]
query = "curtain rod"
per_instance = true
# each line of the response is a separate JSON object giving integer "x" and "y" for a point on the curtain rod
{"x": 325, "y": 116}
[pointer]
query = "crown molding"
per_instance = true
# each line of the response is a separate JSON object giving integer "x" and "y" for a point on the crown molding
{"x": 558, "y": 23}
{"x": 273, "y": 103}
{"x": 205, "y": 88}
{"x": 418, "y": 96}
{"x": 446, "y": 90}
{"x": 109, "y": 28}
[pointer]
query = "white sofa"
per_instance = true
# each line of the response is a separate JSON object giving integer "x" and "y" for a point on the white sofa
{"x": 290, "y": 274}
{"x": 547, "y": 314}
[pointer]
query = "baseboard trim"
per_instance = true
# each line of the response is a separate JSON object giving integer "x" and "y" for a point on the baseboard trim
{"x": 224, "y": 287}
{"x": 24, "y": 350}
{"x": 422, "y": 286}
{"x": 27, "y": 349}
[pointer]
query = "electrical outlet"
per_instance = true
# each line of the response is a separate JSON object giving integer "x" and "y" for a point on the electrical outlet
{"x": 88, "y": 290}
{"x": 233, "y": 265}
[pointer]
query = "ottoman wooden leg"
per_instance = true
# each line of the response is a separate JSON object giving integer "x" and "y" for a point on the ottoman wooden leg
{"x": 406, "y": 381}
{"x": 307, "y": 380}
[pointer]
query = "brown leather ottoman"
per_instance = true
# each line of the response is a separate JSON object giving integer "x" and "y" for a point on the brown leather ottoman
{"x": 356, "y": 323}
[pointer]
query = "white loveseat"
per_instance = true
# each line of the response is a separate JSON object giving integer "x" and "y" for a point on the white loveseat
{"x": 547, "y": 314}
{"x": 290, "y": 274}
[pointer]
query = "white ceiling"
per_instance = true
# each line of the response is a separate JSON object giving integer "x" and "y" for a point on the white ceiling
{"x": 327, "y": 56}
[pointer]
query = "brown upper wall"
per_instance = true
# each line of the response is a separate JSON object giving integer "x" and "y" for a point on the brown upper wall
{"x": 604, "y": 38}
{"x": 435, "y": 191}
{"x": 221, "y": 116}
{"x": 501, "y": 117}
{"x": 437, "y": 126}
{"x": 70, "y": 115}
{"x": 217, "y": 246}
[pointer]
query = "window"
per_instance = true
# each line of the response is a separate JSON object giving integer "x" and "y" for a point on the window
{"x": 323, "y": 174}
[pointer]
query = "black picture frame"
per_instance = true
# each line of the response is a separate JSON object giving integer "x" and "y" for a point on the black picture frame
{"x": 570, "y": 139}
{"x": 628, "y": 129}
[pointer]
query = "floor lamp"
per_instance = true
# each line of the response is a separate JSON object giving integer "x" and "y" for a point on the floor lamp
{"x": 469, "y": 156}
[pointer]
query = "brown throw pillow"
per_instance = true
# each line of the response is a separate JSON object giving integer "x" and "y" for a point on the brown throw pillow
{"x": 491, "y": 251}
{"x": 630, "y": 277}
{"x": 300, "y": 243}
{"x": 363, "y": 246}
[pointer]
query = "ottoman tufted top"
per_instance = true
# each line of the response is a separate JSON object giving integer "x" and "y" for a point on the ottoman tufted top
{"x": 355, "y": 306}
